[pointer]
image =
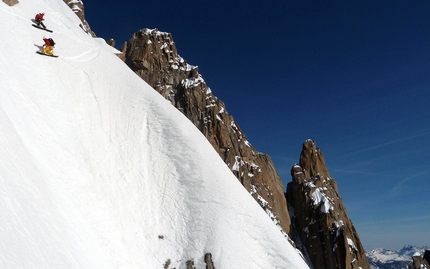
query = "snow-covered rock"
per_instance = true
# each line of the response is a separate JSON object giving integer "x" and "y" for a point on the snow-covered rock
{"x": 77, "y": 6}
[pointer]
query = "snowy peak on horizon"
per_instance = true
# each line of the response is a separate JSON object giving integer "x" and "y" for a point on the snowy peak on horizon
{"x": 100, "y": 171}
{"x": 381, "y": 258}
{"x": 405, "y": 253}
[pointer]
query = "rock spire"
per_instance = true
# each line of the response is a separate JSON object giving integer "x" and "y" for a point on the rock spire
{"x": 325, "y": 234}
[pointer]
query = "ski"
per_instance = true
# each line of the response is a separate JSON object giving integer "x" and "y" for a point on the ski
{"x": 41, "y": 53}
{"x": 41, "y": 28}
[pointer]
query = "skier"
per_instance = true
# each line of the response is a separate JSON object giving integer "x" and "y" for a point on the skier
{"x": 48, "y": 46}
{"x": 39, "y": 19}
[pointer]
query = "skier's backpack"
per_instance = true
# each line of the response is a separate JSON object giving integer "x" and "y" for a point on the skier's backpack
{"x": 51, "y": 42}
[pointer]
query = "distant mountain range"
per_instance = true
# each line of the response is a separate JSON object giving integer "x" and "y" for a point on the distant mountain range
{"x": 381, "y": 258}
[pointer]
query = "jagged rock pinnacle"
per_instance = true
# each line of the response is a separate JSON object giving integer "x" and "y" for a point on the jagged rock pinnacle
{"x": 325, "y": 234}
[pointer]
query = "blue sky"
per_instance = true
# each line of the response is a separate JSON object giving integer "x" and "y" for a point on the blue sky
{"x": 352, "y": 75}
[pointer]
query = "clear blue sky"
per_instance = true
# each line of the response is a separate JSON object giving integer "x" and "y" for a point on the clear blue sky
{"x": 352, "y": 75}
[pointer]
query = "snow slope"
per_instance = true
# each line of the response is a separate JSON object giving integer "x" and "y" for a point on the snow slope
{"x": 99, "y": 171}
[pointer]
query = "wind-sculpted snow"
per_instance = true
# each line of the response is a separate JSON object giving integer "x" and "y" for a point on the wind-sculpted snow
{"x": 97, "y": 170}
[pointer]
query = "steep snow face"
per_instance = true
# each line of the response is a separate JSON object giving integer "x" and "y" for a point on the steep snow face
{"x": 97, "y": 170}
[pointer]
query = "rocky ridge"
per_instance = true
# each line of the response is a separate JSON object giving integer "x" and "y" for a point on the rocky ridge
{"x": 325, "y": 234}
{"x": 153, "y": 56}
{"x": 320, "y": 224}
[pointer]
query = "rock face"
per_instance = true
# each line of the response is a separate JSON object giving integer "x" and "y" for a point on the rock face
{"x": 10, "y": 2}
{"x": 153, "y": 56}
{"x": 325, "y": 234}
{"x": 208, "y": 261}
{"x": 78, "y": 7}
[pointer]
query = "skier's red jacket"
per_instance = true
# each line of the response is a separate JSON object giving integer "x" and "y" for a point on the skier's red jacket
{"x": 39, "y": 17}
{"x": 47, "y": 42}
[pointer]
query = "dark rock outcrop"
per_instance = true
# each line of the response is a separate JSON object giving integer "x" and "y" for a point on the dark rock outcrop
{"x": 153, "y": 56}
{"x": 208, "y": 261}
{"x": 190, "y": 264}
{"x": 325, "y": 234}
{"x": 111, "y": 42}
{"x": 78, "y": 7}
{"x": 427, "y": 255}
